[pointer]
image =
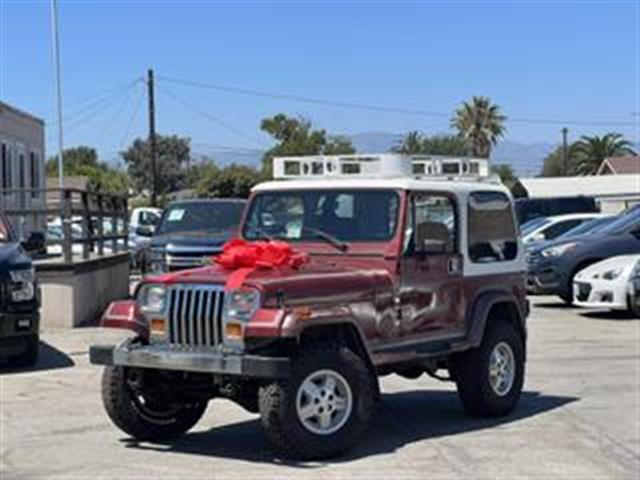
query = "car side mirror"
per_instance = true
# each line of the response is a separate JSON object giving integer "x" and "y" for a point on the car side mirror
{"x": 35, "y": 243}
{"x": 145, "y": 230}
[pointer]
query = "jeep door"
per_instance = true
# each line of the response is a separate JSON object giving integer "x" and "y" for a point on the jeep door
{"x": 431, "y": 269}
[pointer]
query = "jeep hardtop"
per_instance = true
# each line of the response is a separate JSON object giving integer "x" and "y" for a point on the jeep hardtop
{"x": 408, "y": 270}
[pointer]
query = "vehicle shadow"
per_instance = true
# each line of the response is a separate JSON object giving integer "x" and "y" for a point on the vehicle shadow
{"x": 401, "y": 418}
{"x": 609, "y": 315}
{"x": 49, "y": 358}
{"x": 559, "y": 305}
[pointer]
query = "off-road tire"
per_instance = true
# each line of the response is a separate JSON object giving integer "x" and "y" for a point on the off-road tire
{"x": 277, "y": 402}
{"x": 29, "y": 357}
{"x": 126, "y": 414}
{"x": 472, "y": 373}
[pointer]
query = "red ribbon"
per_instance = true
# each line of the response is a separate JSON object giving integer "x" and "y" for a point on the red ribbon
{"x": 244, "y": 257}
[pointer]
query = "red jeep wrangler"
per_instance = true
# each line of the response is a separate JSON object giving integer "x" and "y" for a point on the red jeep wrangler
{"x": 408, "y": 272}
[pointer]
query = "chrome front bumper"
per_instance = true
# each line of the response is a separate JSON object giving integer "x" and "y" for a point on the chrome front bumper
{"x": 188, "y": 359}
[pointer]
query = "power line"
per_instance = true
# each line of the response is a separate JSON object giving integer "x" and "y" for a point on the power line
{"x": 119, "y": 108}
{"x": 378, "y": 108}
{"x": 133, "y": 117}
{"x": 209, "y": 117}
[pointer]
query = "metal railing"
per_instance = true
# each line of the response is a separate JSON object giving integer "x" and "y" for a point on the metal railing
{"x": 91, "y": 211}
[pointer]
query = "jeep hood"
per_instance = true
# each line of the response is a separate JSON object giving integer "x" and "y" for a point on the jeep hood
{"x": 316, "y": 281}
{"x": 12, "y": 257}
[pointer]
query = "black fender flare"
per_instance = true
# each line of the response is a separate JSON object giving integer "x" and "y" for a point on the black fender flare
{"x": 478, "y": 314}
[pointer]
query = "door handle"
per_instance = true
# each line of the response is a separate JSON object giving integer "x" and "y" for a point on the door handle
{"x": 453, "y": 265}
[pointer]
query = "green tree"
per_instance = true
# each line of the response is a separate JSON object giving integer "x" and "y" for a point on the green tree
{"x": 295, "y": 136}
{"x": 505, "y": 172}
{"x": 553, "y": 165}
{"x": 480, "y": 124}
{"x": 82, "y": 161}
{"x": 591, "y": 151}
{"x": 233, "y": 181}
{"x": 447, "y": 145}
{"x": 173, "y": 154}
{"x": 411, "y": 144}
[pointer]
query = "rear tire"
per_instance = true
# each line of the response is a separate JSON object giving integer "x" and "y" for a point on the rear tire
{"x": 145, "y": 418}
{"x": 29, "y": 357}
{"x": 323, "y": 408}
{"x": 490, "y": 378}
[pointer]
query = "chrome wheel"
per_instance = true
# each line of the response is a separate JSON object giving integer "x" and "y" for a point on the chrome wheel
{"x": 502, "y": 369}
{"x": 324, "y": 402}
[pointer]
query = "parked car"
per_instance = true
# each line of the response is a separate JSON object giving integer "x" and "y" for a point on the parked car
{"x": 19, "y": 297}
{"x": 635, "y": 290}
{"x": 549, "y": 228}
{"x": 607, "y": 284}
{"x": 530, "y": 208}
{"x": 190, "y": 232}
{"x": 142, "y": 226}
{"x": 387, "y": 275}
{"x": 552, "y": 267}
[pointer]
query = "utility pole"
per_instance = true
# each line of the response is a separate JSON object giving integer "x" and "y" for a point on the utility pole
{"x": 565, "y": 153}
{"x": 152, "y": 138}
{"x": 56, "y": 62}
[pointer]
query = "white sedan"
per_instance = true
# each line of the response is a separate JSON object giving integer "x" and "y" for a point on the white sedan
{"x": 607, "y": 284}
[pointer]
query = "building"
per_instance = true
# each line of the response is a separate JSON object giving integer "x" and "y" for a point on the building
{"x": 22, "y": 167}
{"x": 613, "y": 193}
{"x": 625, "y": 165}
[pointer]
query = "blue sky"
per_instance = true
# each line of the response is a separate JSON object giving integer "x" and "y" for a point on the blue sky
{"x": 543, "y": 60}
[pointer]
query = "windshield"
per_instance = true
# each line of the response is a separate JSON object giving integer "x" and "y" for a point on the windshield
{"x": 532, "y": 225}
{"x": 201, "y": 217}
{"x": 590, "y": 226}
{"x": 346, "y": 215}
{"x": 624, "y": 222}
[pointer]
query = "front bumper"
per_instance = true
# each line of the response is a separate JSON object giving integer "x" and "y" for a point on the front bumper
{"x": 190, "y": 359}
{"x": 16, "y": 329}
{"x": 545, "y": 278}
{"x": 600, "y": 294}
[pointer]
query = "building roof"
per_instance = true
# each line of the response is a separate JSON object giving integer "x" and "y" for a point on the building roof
{"x": 600, "y": 186}
{"x": 20, "y": 113}
{"x": 627, "y": 164}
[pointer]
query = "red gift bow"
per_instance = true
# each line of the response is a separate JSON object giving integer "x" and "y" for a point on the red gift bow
{"x": 244, "y": 257}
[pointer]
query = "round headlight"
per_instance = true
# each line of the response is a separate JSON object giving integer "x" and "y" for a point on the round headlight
{"x": 153, "y": 298}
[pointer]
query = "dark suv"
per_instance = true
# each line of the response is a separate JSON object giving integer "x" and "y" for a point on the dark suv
{"x": 19, "y": 297}
{"x": 190, "y": 232}
{"x": 552, "y": 266}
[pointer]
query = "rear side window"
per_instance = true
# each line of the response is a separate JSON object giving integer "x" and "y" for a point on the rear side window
{"x": 492, "y": 232}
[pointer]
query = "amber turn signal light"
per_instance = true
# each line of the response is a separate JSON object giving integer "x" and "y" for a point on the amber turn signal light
{"x": 157, "y": 325}
{"x": 233, "y": 330}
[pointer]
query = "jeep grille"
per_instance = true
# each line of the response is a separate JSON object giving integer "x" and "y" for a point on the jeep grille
{"x": 195, "y": 315}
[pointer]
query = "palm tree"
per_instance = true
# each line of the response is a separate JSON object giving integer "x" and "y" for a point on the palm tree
{"x": 481, "y": 124}
{"x": 411, "y": 144}
{"x": 591, "y": 151}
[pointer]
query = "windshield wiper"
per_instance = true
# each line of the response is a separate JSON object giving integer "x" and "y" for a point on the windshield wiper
{"x": 330, "y": 239}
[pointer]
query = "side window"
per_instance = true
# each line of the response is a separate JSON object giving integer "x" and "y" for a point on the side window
{"x": 492, "y": 233}
{"x": 559, "y": 228}
{"x": 431, "y": 227}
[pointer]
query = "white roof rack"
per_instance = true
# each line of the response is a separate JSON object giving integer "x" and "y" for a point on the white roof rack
{"x": 384, "y": 165}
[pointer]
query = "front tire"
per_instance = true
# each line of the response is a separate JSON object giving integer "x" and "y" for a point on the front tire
{"x": 490, "y": 378}
{"x": 323, "y": 408}
{"x": 142, "y": 417}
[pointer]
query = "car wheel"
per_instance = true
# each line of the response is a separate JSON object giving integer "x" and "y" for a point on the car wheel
{"x": 29, "y": 357}
{"x": 142, "y": 416}
{"x": 490, "y": 378}
{"x": 323, "y": 408}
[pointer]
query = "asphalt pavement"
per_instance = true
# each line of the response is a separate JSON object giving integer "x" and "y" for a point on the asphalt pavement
{"x": 578, "y": 418}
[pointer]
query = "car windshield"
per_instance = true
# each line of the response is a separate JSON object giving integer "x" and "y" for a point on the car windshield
{"x": 345, "y": 215}
{"x": 200, "y": 217}
{"x": 624, "y": 222}
{"x": 590, "y": 226}
{"x": 532, "y": 225}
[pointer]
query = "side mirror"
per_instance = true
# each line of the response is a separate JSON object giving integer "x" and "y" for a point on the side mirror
{"x": 538, "y": 237}
{"x": 35, "y": 243}
{"x": 145, "y": 230}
